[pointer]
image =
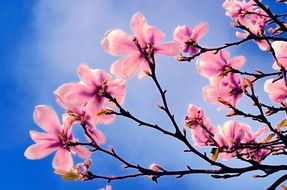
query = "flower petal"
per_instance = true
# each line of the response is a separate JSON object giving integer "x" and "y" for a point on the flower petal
{"x": 40, "y": 137}
{"x": 70, "y": 95}
{"x": 199, "y": 31}
{"x": 126, "y": 67}
{"x": 171, "y": 48}
{"x": 117, "y": 42}
{"x": 63, "y": 160}
{"x": 46, "y": 118}
{"x": 81, "y": 151}
{"x": 138, "y": 25}
{"x": 85, "y": 73}
{"x": 39, "y": 150}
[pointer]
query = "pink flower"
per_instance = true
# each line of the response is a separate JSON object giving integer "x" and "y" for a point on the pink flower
{"x": 249, "y": 15}
{"x": 189, "y": 37}
{"x": 117, "y": 42}
{"x": 89, "y": 92}
{"x": 213, "y": 65}
{"x": 74, "y": 116}
{"x": 202, "y": 131}
{"x": 56, "y": 138}
{"x": 228, "y": 88}
{"x": 237, "y": 9}
{"x": 277, "y": 90}
{"x": 232, "y": 134}
{"x": 280, "y": 48}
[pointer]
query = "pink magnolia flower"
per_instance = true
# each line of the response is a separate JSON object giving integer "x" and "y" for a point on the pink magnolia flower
{"x": 89, "y": 92}
{"x": 277, "y": 90}
{"x": 201, "y": 129}
{"x": 56, "y": 138}
{"x": 249, "y": 15}
{"x": 213, "y": 65}
{"x": 189, "y": 37}
{"x": 228, "y": 88}
{"x": 117, "y": 42}
{"x": 233, "y": 133}
{"x": 80, "y": 116}
{"x": 237, "y": 9}
{"x": 280, "y": 48}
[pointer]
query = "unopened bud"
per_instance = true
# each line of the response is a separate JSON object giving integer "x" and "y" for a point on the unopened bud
{"x": 181, "y": 58}
{"x": 105, "y": 112}
{"x": 221, "y": 100}
{"x": 247, "y": 82}
{"x": 160, "y": 106}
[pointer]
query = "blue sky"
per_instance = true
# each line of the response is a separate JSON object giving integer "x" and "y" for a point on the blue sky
{"x": 41, "y": 44}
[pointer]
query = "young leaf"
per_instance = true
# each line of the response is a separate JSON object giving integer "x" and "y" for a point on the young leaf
{"x": 214, "y": 154}
{"x": 71, "y": 176}
{"x": 269, "y": 137}
{"x": 282, "y": 123}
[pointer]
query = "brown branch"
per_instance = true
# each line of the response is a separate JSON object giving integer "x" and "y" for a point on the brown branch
{"x": 277, "y": 182}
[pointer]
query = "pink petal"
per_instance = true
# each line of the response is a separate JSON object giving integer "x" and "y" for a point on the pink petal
{"x": 117, "y": 42}
{"x": 182, "y": 33}
{"x": 237, "y": 62}
{"x": 39, "y": 150}
{"x": 210, "y": 64}
{"x": 97, "y": 135}
{"x": 70, "y": 95}
{"x": 126, "y": 67}
{"x": 171, "y": 48}
{"x": 117, "y": 89}
{"x": 144, "y": 70}
{"x": 100, "y": 76}
{"x": 199, "y": 31}
{"x": 210, "y": 93}
{"x": 153, "y": 35}
{"x": 63, "y": 160}
{"x": 263, "y": 45}
{"x": 138, "y": 25}
{"x": 260, "y": 131}
{"x": 46, "y": 118}
{"x": 81, "y": 151}
{"x": 85, "y": 73}
{"x": 39, "y": 136}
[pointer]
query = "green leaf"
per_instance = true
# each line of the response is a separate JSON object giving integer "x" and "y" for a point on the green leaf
{"x": 71, "y": 176}
{"x": 214, "y": 154}
{"x": 283, "y": 123}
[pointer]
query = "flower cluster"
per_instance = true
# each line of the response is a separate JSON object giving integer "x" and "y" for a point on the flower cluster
{"x": 248, "y": 16}
{"x": 229, "y": 138}
{"x": 99, "y": 96}
{"x": 84, "y": 103}
{"x": 224, "y": 84}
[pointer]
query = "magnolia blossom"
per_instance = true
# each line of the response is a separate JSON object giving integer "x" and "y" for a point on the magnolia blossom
{"x": 55, "y": 138}
{"x": 117, "y": 42}
{"x": 202, "y": 131}
{"x": 228, "y": 89}
{"x": 248, "y": 14}
{"x": 232, "y": 134}
{"x": 280, "y": 49}
{"x": 277, "y": 90}
{"x": 189, "y": 37}
{"x": 90, "y": 91}
{"x": 237, "y": 9}
{"x": 80, "y": 116}
{"x": 214, "y": 65}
